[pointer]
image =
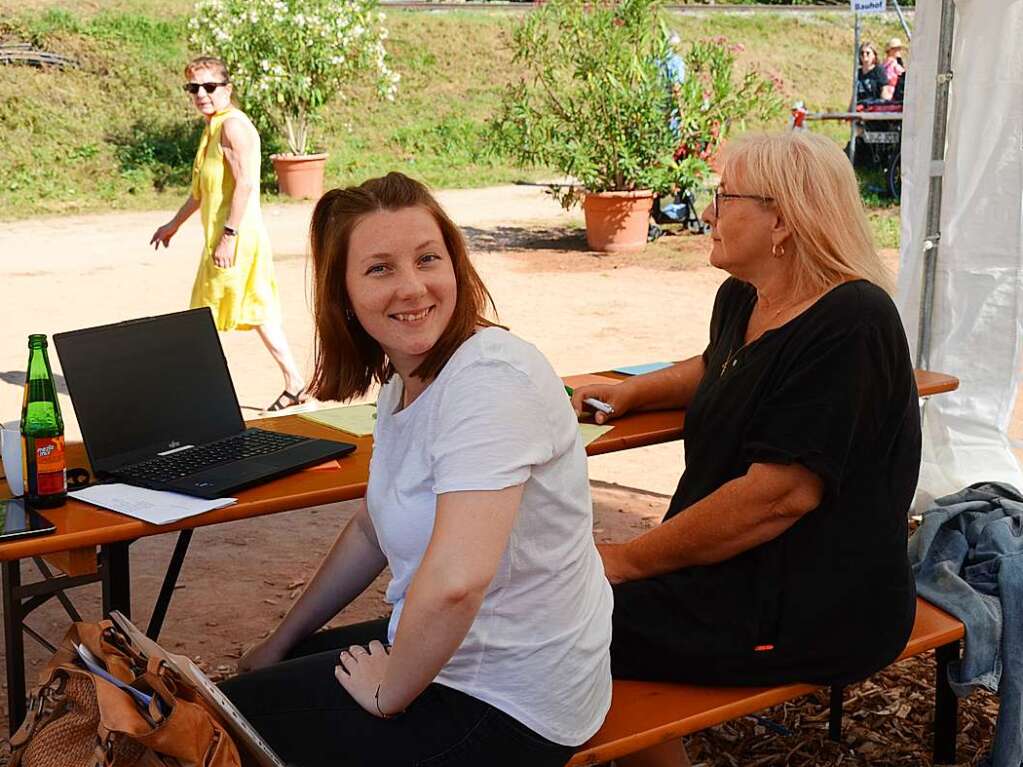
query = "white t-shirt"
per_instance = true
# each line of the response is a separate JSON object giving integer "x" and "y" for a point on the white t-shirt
{"x": 498, "y": 416}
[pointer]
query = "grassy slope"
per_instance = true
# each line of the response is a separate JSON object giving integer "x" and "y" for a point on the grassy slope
{"x": 119, "y": 133}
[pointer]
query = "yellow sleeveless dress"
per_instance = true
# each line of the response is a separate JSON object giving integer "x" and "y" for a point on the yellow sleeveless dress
{"x": 244, "y": 295}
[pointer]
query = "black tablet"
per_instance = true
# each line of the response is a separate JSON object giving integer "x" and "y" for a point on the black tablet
{"x": 19, "y": 521}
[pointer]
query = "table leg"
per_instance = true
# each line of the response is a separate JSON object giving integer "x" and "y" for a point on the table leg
{"x": 169, "y": 581}
{"x": 14, "y": 644}
{"x": 946, "y": 706}
{"x": 116, "y": 566}
{"x": 835, "y": 713}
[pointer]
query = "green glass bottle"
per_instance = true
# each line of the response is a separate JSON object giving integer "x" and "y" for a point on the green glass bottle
{"x": 42, "y": 430}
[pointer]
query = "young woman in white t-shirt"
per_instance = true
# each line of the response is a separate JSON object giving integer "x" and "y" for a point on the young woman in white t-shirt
{"x": 496, "y": 650}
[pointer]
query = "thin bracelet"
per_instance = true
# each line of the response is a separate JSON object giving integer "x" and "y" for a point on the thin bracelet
{"x": 376, "y": 698}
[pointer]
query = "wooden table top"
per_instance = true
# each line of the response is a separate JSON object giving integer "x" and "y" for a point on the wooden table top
{"x": 81, "y": 525}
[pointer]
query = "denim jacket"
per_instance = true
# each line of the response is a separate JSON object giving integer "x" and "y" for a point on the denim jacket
{"x": 967, "y": 556}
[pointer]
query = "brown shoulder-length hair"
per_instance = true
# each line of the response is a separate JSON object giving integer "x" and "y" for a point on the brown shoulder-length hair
{"x": 347, "y": 359}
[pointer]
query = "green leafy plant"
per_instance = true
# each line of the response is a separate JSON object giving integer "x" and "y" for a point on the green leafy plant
{"x": 289, "y": 58}
{"x": 711, "y": 101}
{"x": 594, "y": 104}
{"x": 598, "y": 105}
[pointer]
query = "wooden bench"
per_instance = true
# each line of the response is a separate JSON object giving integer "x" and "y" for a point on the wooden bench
{"x": 645, "y": 714}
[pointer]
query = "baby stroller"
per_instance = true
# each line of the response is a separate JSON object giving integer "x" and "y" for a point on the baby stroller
{"x": 681, "y": 209}
{"x": 878, "y": 143}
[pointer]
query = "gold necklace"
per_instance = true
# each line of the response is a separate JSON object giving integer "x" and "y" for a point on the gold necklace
{"x": 732, "y": 355}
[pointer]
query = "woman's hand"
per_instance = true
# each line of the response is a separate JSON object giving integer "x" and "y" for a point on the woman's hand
{"x": 617, "y": 567}
{"x": 223, "y": 255}
{"x": 163, "y": 235}
{"x": 263, "y": 654}
{"x": 614, "y": 395}
{"x": 360, "y": 671}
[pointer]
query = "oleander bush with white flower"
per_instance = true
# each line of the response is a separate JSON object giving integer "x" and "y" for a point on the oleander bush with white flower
{"x": 289, "y": 58}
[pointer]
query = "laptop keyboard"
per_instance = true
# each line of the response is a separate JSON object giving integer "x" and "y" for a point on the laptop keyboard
{"x": 249, "y": 444}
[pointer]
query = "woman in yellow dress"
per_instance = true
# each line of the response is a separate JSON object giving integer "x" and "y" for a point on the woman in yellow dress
{"x": 236, "y": 273}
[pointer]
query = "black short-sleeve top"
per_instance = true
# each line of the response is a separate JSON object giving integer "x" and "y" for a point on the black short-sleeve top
{"x": 833, "y": 390}
{"x": 869, "y": 84}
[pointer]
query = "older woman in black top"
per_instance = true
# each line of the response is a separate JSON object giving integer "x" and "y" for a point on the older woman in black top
{"x": 782, "y": 555}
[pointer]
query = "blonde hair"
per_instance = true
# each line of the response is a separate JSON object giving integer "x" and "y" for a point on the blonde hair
{"x": 212, "y": 63}
{"x": 815, "y": 191}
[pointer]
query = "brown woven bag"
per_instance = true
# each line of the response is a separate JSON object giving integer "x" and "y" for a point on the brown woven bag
{"x": 79, "y": 719}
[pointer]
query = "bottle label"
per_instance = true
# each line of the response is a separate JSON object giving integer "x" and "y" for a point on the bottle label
{"x": 50, "y": 466}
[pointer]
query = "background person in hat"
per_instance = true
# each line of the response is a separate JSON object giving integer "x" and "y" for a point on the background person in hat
{"x": 894, "y": 67}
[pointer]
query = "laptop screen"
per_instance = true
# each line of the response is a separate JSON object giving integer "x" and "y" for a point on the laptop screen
{"x": 146, "y": 386}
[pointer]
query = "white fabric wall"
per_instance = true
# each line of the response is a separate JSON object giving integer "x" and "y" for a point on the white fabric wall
{"x": 978, "y": 313}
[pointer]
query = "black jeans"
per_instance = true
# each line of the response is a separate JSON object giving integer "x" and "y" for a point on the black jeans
{"x": 309, "y": 720}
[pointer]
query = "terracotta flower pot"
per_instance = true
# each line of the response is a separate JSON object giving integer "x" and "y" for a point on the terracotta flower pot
{"x": 617, "y": 222}
{"x": 300, "y": 175}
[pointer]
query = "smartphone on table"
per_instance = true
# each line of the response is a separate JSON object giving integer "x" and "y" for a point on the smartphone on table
{"x": 19, "y": 520}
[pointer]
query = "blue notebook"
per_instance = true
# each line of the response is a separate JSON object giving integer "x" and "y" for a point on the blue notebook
{"x": 638, "y": 370}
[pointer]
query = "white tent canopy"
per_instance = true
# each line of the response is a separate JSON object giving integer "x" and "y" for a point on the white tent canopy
{"x": 977, "y": 325}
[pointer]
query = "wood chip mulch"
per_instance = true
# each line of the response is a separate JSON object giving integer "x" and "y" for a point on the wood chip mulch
{"x": 888, "y": 721}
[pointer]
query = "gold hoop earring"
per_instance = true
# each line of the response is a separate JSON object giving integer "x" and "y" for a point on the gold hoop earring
{"x": 777, "y": 250}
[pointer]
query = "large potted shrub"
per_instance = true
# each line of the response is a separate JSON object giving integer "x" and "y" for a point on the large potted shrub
{"x": 712, "y": 99}
{"x": 288, "y": 59}
{"x": 597, "y": 105}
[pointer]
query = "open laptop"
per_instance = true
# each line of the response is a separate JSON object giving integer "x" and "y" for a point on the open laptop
{"x": 157, "y": 408}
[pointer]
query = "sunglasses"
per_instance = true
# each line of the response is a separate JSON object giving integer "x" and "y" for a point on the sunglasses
{"x": 194, "y": 88}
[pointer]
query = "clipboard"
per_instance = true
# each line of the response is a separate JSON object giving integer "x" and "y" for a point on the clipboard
{"x": 249, "y": 741}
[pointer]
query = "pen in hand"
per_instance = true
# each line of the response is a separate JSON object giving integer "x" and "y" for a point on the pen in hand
{"x": 595, "y": 403}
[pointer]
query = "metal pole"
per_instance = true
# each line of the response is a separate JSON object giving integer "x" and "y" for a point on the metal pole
{"x": 936, "y": 171}
{"x": 946, "y": 706}
{"x": 855, "y": 90}
{"x": 116, "y": 562}
{"x": 902, "y": 20}
{"x": 14, "y": 643}
{"x": 169, "y": 582}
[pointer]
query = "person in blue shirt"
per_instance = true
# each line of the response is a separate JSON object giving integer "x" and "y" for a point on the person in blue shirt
{"x": 673, "y": 69}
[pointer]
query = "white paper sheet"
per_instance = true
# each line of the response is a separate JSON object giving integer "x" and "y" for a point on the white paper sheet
{"x": 158, "y": 507}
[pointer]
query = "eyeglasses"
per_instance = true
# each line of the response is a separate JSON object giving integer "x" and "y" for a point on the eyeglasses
{"x": 719, "y": 195}
{"x": 194, "y": 88}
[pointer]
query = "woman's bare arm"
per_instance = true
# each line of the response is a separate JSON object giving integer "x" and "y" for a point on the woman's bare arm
{"x": 666, "y": 389}
{"x": 470, "y": 534}
{"x": 239, "y": 141}
{"x": 740, "y": 515}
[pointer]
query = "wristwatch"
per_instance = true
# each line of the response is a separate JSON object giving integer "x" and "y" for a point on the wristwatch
{"x": 230, "y": 231}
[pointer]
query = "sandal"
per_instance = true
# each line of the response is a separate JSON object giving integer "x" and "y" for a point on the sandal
{"x": 286, "y": 399}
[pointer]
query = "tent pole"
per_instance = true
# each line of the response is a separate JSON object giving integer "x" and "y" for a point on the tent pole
{"x": 855, "y": 89}
{"x": 902, "y": 21}
{"x": 936, "y": 171}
